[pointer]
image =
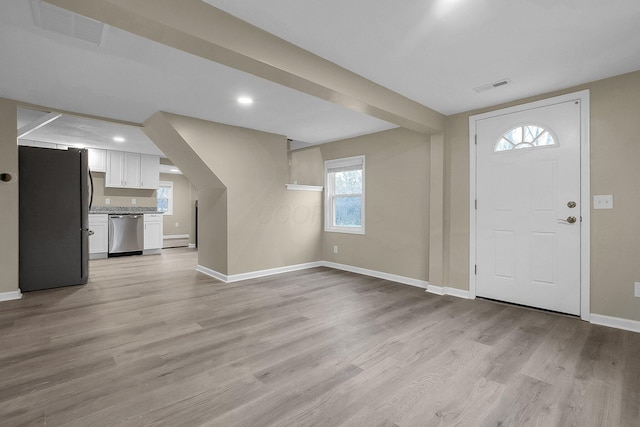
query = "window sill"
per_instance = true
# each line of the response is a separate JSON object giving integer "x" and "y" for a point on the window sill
{"x": 345, "y": 230}
{"x": 304, "y": 187}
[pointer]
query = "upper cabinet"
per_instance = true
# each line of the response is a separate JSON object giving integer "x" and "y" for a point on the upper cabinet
{"x": 132, "y": 170}
{"x": 115, "y": 169}
{"x": 97, "y": 160}
{"x": 149, "y": 171}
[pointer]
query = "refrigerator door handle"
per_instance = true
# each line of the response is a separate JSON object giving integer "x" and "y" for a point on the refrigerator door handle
{"x": 91, "y": 196}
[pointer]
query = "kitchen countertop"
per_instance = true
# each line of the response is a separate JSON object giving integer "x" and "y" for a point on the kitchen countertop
{"x": 123, "y": 210}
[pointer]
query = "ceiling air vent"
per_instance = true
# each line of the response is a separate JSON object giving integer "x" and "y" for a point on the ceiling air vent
{"x": 56, "y": 19}
{"x": 493, "y": 85}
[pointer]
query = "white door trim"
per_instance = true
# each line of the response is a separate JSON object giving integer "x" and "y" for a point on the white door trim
{"x": 585, "y": 190}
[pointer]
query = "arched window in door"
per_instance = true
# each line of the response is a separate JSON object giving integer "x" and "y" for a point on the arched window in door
{"x": 525, "y": 136}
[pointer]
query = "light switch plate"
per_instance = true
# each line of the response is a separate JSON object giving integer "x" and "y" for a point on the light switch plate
{"x": 637, "y": 290}
{"x": 603, "y": 202}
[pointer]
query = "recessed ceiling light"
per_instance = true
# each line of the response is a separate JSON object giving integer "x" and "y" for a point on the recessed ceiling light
{"x": 245, "y": 100}
{"x": 118, "y": 139}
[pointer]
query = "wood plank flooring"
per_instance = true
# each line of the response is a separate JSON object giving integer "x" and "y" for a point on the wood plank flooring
{"x": 150, "y": 342}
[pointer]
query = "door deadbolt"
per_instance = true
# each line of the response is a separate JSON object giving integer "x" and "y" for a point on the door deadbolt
{"x": 571, "y": 204}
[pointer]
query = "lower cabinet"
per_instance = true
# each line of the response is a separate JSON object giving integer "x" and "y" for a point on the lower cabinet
{"x": 98, "y": 236}
{"x": 152, "y": 233}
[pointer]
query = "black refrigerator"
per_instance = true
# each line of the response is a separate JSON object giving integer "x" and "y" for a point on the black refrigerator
{"x": 54, "y": 217}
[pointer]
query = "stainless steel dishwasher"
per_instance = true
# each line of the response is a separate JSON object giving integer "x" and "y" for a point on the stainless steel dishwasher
{"x": 126, "y": 234}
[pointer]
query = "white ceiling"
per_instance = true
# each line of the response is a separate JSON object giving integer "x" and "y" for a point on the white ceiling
{"x": 84, "y": 132}
{"x": 432, "y": 51}
{"x": 436, "y": 51}
{"x": 130, "y": 78}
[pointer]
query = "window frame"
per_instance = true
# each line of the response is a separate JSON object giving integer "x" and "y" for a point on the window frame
{"x": 357, "y": 163}
{"x": 169, "y": 185}
{"x": 525, "y": 146}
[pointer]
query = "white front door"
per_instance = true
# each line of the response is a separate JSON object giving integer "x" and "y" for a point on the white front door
{"x": 528, "y": 207}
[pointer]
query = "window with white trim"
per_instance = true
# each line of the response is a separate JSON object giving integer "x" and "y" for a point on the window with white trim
{"x": 164, "y": 197}
{"x": 344, "y": 195}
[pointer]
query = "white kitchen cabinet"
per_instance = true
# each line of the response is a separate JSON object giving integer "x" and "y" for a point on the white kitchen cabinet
{"x": 42, "y": 144}
{"x": 97, "y": 160}
{"x": 123, "y": 170}
{"x": 149, "y": 171}
{"x": 115, "y": 169}
{"x": 132, "y": 170}
{"x": 99, "y": 238}
{"x": 152, "y": 234}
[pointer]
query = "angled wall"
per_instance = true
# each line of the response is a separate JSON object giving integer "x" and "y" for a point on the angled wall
{"x": 241, "y": 176}
{"x": 212, "y": 196}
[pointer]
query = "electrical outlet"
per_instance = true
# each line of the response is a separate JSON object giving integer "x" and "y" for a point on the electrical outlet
{"x": 107, "y": 201}
{"x": 603, "y": 202}
{"x": 134, "y": 201}
{"x": 335, "y": 249}
{"x": 637, "y": 290}
{"x": 177, "y": 224}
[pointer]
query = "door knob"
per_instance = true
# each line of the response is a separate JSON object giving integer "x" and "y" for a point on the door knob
{"x": 571, "y": 204}
{"x": 569, "y": 220}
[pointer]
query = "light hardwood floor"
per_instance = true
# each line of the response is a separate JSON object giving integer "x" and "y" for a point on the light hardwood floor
{"x": 149, "y": 341}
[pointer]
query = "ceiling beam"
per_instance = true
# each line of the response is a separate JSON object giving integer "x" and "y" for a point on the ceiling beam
{"x": 195, "y": 27}
{"x": 37, "y": 124}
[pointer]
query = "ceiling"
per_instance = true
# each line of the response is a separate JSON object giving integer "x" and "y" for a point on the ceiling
{"x": 437, "y": 51}
{"x": 83, "y": 132}
{"x": 433, "y": 52}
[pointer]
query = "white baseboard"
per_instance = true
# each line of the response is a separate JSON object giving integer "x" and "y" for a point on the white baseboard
{"x": 272, "y": 271}
{"x": 364, "y": 271}
{"x": 212, "y": 273}
{"x": 10, "y": 296}
{"x": 175, "y": 236}
{"x": 455, "y": 292}
{"x": 358, "y": 270}
{"x": 256, "y": 274}
{"x": 192, "y": 245}
{"x": 615, "y": 322}
{"x": 379, "y": 274}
